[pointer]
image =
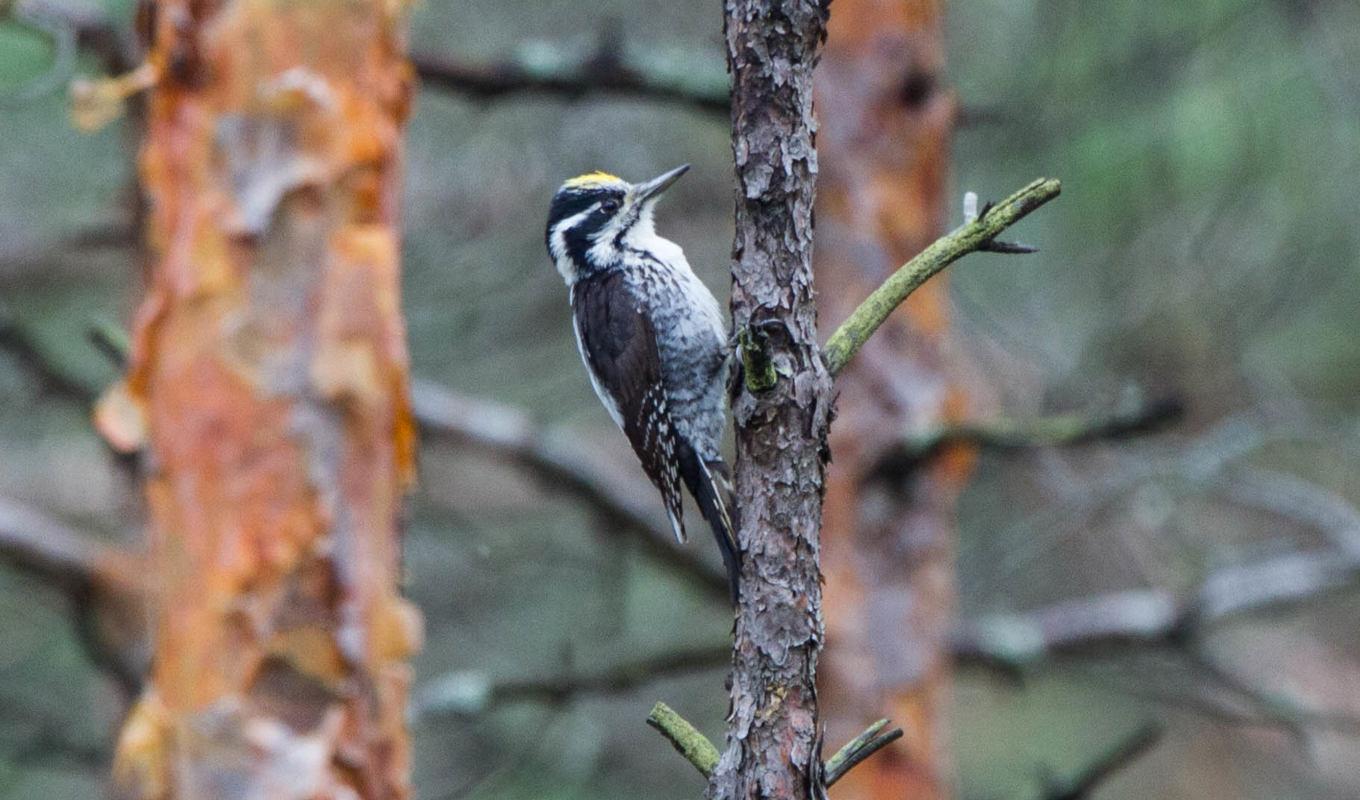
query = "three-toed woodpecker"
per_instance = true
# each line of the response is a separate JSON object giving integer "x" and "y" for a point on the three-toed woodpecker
{"x": 652, "y": 338}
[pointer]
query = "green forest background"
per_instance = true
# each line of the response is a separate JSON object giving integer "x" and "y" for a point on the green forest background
{"x": 1205, "y": 247}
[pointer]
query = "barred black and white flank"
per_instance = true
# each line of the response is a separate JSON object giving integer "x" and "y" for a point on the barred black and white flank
{"x": 652, "y": 338}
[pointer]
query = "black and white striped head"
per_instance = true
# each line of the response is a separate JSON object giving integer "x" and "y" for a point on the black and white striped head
{"x": 595, "y": 217}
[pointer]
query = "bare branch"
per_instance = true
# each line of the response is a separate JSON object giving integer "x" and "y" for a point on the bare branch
{"x": 1152, "y": 616}
{"x": 110, "y": 340}
{"x": 468, "y": 693}
{"x": 1083, "y": 784}
{"x": 972, "y": 236}
{"x": 93, "y": 30}
{"x": 610, "y": 69}
{"x": 102, "y": 582}
{"x": 1059, "y": 430}
{"x": 1264, "y": 712}
{"x": 857, "y": 750}
{"x": 63, "y": 44}
{"x": 16, "y": 341}
{"x": 1269, "y": 707}
{"x": 34, "y": 738}
{"x": 685, "y": 738}
{"x": 38, "y": 545}
{"x": 564, "y": 463}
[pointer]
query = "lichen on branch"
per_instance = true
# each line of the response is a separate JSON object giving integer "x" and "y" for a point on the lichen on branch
{"x": 969, "y": 237}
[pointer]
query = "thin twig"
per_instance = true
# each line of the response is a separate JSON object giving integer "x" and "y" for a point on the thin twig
{"x": 857, "y": 750}
{"x": 110, "y": 340}
{"x": 1154, "y": 616}
{"x": 1059, "y": 430}
{"x": 609, "y": 69}
{"x": 1083, "y": 784}
{"x": 103, "y": 584}
{"x": 685, "y": 738}
{"x": 1278, "y": 707}
{"x": 1265, "y": 713}
{"x": 34, "y": 738}
{"x": 968, "y": 238}
{"x": 469, "y": 693}
{"x": 94, "y": 31}
{"x": 38, "y": 545}
{"x": 63, "y": 42}
{"x": 51, "y": 377}
{"x": 565, "y": 463}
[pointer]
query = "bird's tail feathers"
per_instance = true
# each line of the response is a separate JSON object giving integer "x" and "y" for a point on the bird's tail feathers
{"x": 678, "y": 525}
{"x": 708, "y": 483}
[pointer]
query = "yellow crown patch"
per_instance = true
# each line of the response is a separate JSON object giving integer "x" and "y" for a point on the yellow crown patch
{"x": 589, "y": 179}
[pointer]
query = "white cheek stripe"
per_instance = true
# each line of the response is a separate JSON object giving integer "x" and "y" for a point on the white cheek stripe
{"x": 603, "y": 250}
{"x": 557, "y": 243}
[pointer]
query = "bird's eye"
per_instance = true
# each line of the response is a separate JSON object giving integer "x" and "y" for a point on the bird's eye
{"x": 609, "y": 206}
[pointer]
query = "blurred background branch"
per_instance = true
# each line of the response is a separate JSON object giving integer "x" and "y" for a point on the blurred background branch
{"x": 610, "y": 68}
{"x": 1084, "y": 782}
{"x": 565, "y": 463}
{"x": 1152, "y": 617}
{"x": 472, "y": 693}
{"x": 1058, "y": 430}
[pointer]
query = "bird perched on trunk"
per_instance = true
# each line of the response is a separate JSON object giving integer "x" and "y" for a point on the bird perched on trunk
{"x": 652, "y": 338}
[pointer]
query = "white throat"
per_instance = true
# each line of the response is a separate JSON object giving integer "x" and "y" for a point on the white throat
{"x": 643, "y": 236}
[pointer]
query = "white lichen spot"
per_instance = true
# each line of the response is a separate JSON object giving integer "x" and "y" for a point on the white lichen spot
{"x": 466, "y": 693}
{"x": 970, "y": 207}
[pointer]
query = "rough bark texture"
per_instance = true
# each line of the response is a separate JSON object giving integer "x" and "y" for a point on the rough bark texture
{"x": 780, "y": 431}
{"x": 268, "y": 391}
{"x": 889, "y": 549}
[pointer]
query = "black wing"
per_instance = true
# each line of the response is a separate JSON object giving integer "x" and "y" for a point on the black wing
{"x": 618, "y": 344}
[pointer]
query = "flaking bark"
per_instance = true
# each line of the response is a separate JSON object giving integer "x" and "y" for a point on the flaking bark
{"x": 267, "y": 393}
{"x": 781, "y": 431}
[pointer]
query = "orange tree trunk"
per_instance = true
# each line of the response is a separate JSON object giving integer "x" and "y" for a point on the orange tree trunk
{"x": 885, "y": 125}
{"x": 268, "y": 392}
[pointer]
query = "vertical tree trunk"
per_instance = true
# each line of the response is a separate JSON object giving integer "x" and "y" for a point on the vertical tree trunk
{"x": 780, "y": 428}
{"x": 889, "y": 549}
{"x": 268, "y": 391}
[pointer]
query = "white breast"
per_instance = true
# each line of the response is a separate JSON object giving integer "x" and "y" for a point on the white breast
{"x": 643, "y": 237}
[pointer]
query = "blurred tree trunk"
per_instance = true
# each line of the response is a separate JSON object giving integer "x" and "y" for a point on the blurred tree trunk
{"x": 782, "y": 414}
{"x": 268, "y": 391}
{"x": 885, "y": 127}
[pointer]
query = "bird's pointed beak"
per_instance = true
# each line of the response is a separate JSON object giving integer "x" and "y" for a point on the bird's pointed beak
{"x": 652, "y": 189}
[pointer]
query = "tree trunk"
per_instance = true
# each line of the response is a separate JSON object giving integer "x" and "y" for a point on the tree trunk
{"x": 889, "y": 549}
{"x": 268, "y": 391}
{"x": 781, "y": 426}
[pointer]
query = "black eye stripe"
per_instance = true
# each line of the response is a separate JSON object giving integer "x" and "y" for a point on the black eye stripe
{"x": 570, "y": 203}
{"x": 573, "y": 201}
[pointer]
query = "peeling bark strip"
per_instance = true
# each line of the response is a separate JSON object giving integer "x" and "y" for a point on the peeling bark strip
{"x": 781, "y": 432}
{"x": 268, "y": 388}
